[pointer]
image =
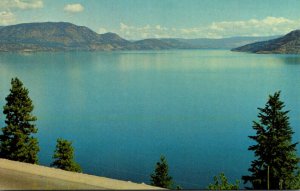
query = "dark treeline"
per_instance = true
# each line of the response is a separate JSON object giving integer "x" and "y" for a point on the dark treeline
{"x": 275, "y": 166}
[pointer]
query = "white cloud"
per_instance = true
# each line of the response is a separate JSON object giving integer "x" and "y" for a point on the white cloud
{"x": 263, "y": 27}
{"x": 147, "y": 31}
{"x": 21, "y": 4}
{"x": 276, "y": 20}
{"x": 7, "y": 8}
{"x": 74, "y": 8}
{"x": 252, "y": 27}
{"x": 7, "y": 17}
{"x": 102, "y": 30}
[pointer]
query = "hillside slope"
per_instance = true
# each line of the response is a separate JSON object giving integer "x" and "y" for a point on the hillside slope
{"x": 24, "y": 176}
{"x": 288, "y": 44}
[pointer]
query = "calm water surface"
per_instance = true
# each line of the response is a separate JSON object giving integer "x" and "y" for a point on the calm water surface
{"x": 122, "y": 110}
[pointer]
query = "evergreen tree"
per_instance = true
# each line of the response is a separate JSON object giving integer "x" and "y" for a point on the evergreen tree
{"x": 64, "y": 156}
{"x": 161, "y": 177}
{"x": 276, "y": 162}
{"x": 16, "y": 141}
{"x": 294, "y": 184}
{"x": 221, "y": 183}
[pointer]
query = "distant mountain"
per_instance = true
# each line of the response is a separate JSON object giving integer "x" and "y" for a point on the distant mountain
{"x": 63, "y": 36}
{"x": 149, "y": 44}
{"x": 223, "y": 43}
{"x": 112, "y": 38}
{"x": 200, "y": 43}
{"x": 51, "y": 36}
{"x": 157, "y": 44}
{"x": 288, "y": 44}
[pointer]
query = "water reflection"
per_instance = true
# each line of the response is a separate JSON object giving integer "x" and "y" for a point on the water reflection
{"x": 290, "y": 59}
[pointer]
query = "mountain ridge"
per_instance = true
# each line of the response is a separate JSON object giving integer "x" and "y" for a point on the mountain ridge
{"x": 64, "y": 36}
{"x": 53, "y": 36}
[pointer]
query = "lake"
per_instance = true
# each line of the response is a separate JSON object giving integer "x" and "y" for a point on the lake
{"x": 122, "y": 110}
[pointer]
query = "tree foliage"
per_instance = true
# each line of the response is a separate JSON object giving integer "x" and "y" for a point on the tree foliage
{"x": 294, "y": 184}
{"x": 161, "y": 177}
{"x": 64, "y": 156}
{"x": 221, "y": 183}
{"x": 276, "y": 162}
{"x": 17, "y": 142}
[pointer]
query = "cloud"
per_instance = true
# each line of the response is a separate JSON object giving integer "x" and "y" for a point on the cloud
{"x": 147, "y": 31}
{"x": 21, "y": 4}
{"x": 263, "y": 27}
{"x": 7, "y": 17}
{"x": 8, "y": 7}
{"x": 74, "y": 8}
{"x": 102, "y": 30}
{"x": 253, "y": 27}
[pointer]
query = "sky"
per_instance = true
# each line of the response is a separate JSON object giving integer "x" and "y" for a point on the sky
{"x": 139, "y": 19}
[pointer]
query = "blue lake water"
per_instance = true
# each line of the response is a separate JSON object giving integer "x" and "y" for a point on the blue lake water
{"x": 122, "y": 110}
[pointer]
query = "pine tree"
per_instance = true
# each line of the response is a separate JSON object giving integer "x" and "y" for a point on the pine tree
{"x": 294, "y": 184}
{"x": 64, "y": 156}
{"x": 16, "y": 141}
{"x": 221, "y": 183}
{"x": 161, "y": 177}
{"x": 276, "y": 162}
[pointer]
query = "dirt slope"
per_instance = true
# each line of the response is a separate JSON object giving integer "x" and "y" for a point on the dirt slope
{"x": 16, "y": 175}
